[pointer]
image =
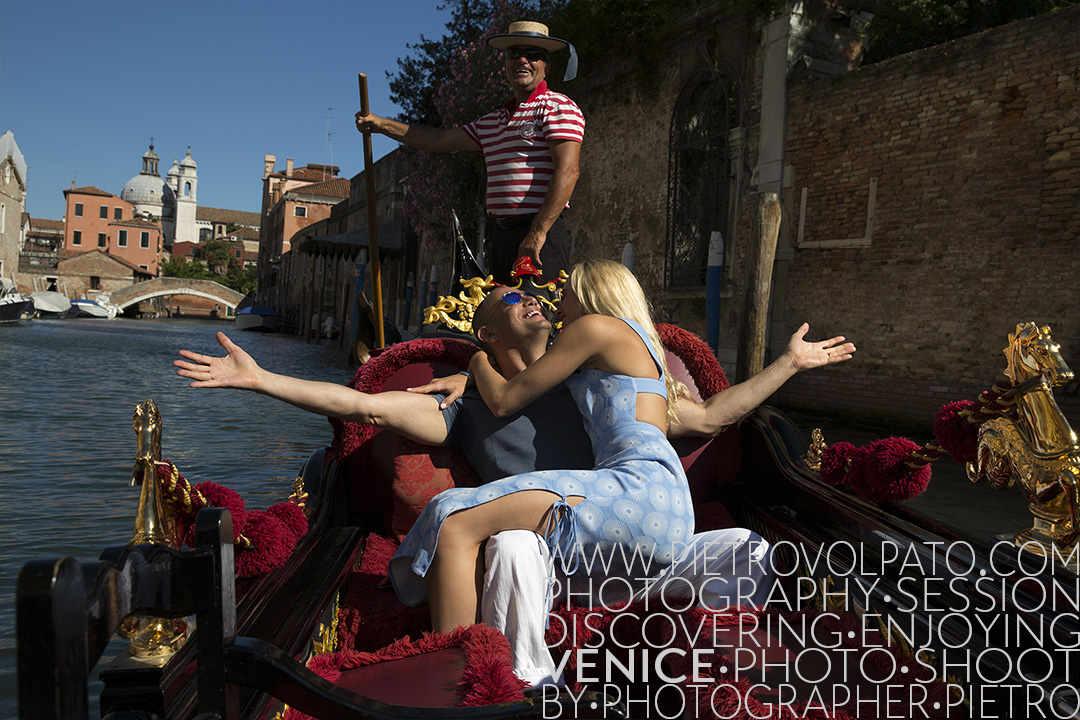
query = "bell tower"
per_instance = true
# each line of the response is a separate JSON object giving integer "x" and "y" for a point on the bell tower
{"x": 187, "y": 180}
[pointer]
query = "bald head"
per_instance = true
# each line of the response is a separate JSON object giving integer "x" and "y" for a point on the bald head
{"x": 510, "y": 321}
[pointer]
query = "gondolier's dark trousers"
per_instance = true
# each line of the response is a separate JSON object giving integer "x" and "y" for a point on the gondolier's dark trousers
{"x": 504, "y": 235}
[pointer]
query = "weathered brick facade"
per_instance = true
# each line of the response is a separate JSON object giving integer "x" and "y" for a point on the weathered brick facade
{"x": 971, "y": 150}
{"x": 974, "y": 147}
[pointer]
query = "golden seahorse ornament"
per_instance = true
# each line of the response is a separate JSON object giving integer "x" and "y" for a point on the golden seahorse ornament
{"x": 1037, "y": 451}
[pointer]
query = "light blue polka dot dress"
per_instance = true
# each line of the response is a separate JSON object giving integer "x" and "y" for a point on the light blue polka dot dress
{"x": 637, "y": 499}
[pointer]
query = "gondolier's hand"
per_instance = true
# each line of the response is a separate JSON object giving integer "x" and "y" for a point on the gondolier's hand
{"x": 368, "y": 123}
{"x": 236, "y": 370}
{"x": 807, "y": 355}
{"x": 531, "y": 246}
{"x": 452, "y": 386}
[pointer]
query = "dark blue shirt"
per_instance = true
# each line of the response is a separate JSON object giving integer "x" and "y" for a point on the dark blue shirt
{"x": 545, "y": 435}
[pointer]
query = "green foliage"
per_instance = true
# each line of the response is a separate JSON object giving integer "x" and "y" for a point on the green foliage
{"x": 180, "y": 267}
{"x": 427, "y": 68}
{"x": 215, "y": 261}
{"x": 599, "y": 28}
{"x": 930, "y": 22}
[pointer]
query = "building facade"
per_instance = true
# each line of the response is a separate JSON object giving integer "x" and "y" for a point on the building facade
{"x": 12, "y": 203}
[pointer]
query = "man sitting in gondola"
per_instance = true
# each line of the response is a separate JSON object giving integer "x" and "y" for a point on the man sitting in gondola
{"x": 548, "y": 434}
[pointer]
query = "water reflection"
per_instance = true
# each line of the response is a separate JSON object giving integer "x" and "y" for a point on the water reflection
{"x": 67, "y": 391}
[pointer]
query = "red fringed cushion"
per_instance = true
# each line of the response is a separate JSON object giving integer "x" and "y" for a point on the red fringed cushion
{"x": 878, "y": 472}
{"x": 420, "y": 473}
{"x": 395, "y": 368}
{"x": 271, "y": 534}
{"x": 834, "y": 459}
{"x": 700, "y": 362}
{"x": 487, "y": 677}
{"x": 959, "y": 437}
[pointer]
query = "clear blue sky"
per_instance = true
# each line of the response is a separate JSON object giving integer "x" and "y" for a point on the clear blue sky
{"x": 84, "y": 84}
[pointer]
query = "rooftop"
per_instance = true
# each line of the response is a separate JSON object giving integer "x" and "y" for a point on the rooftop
{"x": 337, "y": 188}
{"x": 88, "y": 190}
{"x": 231, "y": 217}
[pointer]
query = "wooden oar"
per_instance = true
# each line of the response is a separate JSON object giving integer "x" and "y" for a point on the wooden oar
{"x": 373, "y": 225}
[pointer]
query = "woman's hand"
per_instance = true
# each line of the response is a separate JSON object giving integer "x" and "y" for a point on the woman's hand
{"x": 453, "y": 386}
{"x": 808, "y": 355}
{"x": 236, "y": 370}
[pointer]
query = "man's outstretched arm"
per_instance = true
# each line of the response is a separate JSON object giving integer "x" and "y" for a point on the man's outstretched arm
{"x": 438, "y": 140}
{"x": 415, "y": 416}
{"x": 728, "y": 407}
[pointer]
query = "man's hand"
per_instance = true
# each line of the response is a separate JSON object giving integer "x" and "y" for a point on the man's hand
{"x": 531, "y": 246}
{"x": 368, "y": 123}
{"x": 236, "y": 370}
{"x": 807, "y": 355}
{"x": 452, "y": 386}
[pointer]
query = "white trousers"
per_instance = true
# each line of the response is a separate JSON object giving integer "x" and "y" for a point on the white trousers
{"x": 719, "y": 568}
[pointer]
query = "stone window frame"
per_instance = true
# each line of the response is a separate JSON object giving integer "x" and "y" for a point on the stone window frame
{"x": 102, "y": 240}
{"x": 76, "y": 237}
{"x": 300, "y": 211}
{"x": 121, "y": 238}
{"x": 868, "y": 233}
{"x": 144, "y": 239}
{"x": 118, "y": 213}
{"x": 103, "y": 213}
{"x": 78, "y": 209}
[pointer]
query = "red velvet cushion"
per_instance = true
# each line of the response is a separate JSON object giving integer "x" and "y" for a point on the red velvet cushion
{"x": 469, "y": 666}
{"x": 420, "y": 473}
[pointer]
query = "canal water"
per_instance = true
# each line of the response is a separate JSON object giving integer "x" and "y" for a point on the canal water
{"x": 67, "y": 392}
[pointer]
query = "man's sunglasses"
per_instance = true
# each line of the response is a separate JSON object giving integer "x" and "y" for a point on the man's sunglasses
{"x": 513, "y": 297}
{"x": 530, "y": 54}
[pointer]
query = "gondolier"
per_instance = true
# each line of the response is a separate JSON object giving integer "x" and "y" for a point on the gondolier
{"x": 531, "y": 149}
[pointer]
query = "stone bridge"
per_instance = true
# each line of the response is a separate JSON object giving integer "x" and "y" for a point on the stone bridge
{"x": 175, "y": 286}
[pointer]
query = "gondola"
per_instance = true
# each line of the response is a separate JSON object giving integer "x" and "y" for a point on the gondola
{"x": 877, "y": 611}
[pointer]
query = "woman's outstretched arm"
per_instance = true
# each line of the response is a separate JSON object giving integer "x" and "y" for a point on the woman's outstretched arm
{"x": 728, "y": 407}
{"x": 416, "y": 416}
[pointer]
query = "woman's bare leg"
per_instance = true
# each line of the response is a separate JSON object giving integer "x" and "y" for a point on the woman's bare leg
{"x": 457, "y": 570}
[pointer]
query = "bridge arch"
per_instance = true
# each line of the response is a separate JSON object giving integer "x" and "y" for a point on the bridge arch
{"x": 162, "y": 286}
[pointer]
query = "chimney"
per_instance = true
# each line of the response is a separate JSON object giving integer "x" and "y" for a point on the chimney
{"x": 288, "y": 167}
{"x": 268, "y": 164}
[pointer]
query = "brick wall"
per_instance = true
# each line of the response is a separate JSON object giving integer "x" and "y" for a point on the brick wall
{"x": 975, "y": 149}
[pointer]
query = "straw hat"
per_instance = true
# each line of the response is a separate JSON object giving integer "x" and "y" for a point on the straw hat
{"x": 524, "y": 33}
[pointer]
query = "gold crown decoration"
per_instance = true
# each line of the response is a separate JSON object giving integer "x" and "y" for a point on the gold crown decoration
{"x": 463, "y": 306}
{"x": 457, "y": 312}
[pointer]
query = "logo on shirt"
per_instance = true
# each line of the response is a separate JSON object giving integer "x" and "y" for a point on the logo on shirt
{"x": 530, "y": 127}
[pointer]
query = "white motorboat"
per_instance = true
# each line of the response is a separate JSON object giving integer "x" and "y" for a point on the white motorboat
{"x": 90, "y": 308}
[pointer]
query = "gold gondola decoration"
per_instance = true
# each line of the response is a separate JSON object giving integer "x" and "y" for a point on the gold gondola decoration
{"x": 1013, "y": 435}
{"x": 151, "y": 637}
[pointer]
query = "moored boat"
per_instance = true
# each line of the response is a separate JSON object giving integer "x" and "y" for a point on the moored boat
{"x": 13, "y": 305}
{"x": 255, "y": 317}
{"x": 82, "y": 307}
{"x": 51, "y": 304}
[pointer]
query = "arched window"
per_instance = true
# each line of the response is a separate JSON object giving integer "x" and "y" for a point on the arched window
{"x": 187, "y": 189}
{"x": 699, "y": 174}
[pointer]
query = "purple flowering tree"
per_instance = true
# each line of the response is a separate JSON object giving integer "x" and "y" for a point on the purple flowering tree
{"x": 440, "y": 183}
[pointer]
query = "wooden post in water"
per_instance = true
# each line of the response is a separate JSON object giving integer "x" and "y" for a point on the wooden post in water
{"x": 751, "y": 356}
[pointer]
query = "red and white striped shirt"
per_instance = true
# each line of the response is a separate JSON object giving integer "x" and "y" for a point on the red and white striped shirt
{"x": 515, "y": 146}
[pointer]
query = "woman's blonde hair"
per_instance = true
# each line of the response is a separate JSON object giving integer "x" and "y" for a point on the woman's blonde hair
{"x": 605, "y": 287}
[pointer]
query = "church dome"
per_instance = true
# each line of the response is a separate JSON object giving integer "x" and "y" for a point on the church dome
{"x": 147, "y": 189}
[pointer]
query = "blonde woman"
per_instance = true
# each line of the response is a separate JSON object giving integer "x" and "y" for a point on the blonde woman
{"x": 636, "y": 497}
